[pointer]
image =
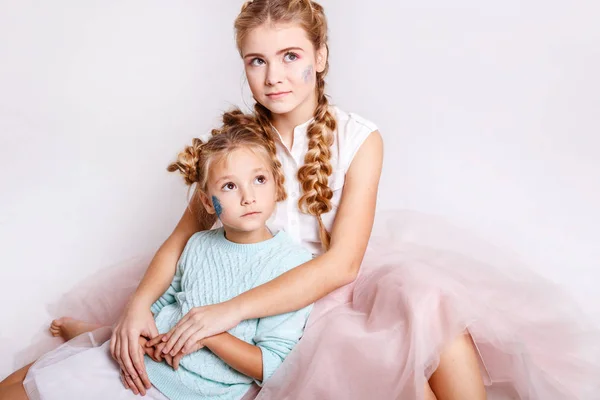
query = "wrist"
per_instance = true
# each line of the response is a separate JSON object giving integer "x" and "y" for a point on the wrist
{"x": 239, "y": 308}
{"x": 139, "y": 302}
{"x": 212, "y": 340}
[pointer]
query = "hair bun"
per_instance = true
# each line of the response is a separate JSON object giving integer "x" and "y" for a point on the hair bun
{"x": 236, "y": 117}
{"x": 187, "y": 162}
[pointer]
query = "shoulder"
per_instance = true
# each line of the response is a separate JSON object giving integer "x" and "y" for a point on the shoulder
{"x": 352, "y": 131}
{"x": 352, "y": 124}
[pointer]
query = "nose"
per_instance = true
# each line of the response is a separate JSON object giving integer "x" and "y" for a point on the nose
{"x": 274, "y": 74}
{"x": 248, "y": 196}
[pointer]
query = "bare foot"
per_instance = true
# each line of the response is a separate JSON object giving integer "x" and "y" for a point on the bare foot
{"x": 68, "y": 328}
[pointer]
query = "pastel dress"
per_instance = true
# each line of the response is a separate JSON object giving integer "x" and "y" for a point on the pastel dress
{"x": 422, "y": 283}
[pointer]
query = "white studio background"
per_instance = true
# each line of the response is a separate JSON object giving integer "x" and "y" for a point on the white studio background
{"x": 487, "y": 112}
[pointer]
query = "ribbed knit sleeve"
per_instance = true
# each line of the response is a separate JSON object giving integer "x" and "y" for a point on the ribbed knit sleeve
{"x": 276, "y": 336}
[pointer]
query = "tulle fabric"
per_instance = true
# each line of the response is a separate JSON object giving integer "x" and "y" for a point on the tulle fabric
{"x": 81, "y": 369}
{"x": 381, "y": 337}
{"x": 422, "y": 283}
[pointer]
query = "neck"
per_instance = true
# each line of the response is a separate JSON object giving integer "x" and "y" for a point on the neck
{"x": 244, "y": 237}
{"x": 285, "y": 123}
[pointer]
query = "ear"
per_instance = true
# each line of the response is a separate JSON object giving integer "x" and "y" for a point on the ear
{"x": 321, "y": 56}
{"x": 208, "y": 206}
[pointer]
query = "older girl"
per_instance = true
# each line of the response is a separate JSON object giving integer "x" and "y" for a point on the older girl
{"x": 391, "y": 320}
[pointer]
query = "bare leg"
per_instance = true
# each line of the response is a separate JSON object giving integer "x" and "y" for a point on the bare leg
{"x": 12, "y": 388}
{"x": 458, "y": 375}
{"x": 16, "y": 391}
{"x": 68, "y": 328}
{"x": 429, "y": 395}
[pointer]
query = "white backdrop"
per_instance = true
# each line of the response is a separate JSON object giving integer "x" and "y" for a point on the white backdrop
{"x": 489, "y": 114}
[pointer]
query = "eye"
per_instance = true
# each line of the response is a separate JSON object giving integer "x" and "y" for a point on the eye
{"x": 290, "y": 57}
{"x": 257, "y": 62}
{"x": 228, "y": 186}
{"x": 261, "y": 180}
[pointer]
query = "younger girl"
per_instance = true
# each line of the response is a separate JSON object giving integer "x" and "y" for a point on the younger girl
{"x": 239, "y": 181}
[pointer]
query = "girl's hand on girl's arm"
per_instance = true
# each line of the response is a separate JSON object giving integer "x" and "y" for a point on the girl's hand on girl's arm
{"x": 198, "y": 324}
{"x": 310, "y": 281}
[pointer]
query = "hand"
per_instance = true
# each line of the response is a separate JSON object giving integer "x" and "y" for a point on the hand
{"x": 125, "y": 344}
{"x": 199, "y": 323}
{"x": 156, "y": 345}
{"x": 150, "y": 351}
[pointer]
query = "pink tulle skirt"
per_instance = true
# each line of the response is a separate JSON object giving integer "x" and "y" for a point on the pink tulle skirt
{"x": 421, "y": 285}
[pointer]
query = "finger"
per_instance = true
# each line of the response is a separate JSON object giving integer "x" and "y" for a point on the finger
{"x": 126, "y": 361}
{"x": 194, "y": 342}
{"x": 131, "y": 384}
{"x": 154, "y": 341}
{"x": 183, "y": 321}
{"x": 158, "y": 352}
{"x": 176, "y": 360}
{"x": 169, "y": 359}
{"x": 169, "y": 334}
{"x": 177, "y": 333}
{"x": 123, "y": 380}
{"x": 173, "y": 336}
{"x": 183, "y": 339}
{"x": 136, "y": 351}
{"x": 149, "y": 351}
{"x": 113, "y": 343}
{"x": 139, "y": 385}
{"x": 117, "y": 355}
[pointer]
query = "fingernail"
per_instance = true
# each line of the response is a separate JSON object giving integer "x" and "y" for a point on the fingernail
{"x": 164, "y": 350}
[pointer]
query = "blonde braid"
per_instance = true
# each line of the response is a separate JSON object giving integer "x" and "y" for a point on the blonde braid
{"x": 187, "y": 162}
{"x": 313, "y": 175}
{"x": 188, "y": 166}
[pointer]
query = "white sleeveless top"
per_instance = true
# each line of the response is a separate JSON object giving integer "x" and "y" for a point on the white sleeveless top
{"x": 351, "y": 132}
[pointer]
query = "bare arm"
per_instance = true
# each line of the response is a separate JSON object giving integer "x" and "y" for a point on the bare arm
{"x": 239, "y": 355}
{"x": 339, "y": 266}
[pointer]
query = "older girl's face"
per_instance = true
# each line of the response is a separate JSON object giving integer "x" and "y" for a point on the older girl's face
{"x": 281, "y": 66}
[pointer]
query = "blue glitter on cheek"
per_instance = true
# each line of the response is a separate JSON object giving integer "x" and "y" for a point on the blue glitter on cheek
{"x": 217, "y": 206}
{"x": 308, "y": 74}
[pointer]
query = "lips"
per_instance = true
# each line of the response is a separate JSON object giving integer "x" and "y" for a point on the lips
{"x": 277, "y": 95}
{"x": 251, "y": 214}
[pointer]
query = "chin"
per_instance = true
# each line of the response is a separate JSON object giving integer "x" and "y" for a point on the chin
{"x": 280, "y": 107}
{"x": 251, "y": 226}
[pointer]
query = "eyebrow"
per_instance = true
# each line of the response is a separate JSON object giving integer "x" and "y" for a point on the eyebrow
{"x": 279, "y": 52}
{"x": 226, "y": 177}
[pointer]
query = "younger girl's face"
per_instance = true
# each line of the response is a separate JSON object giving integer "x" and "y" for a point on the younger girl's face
{"x": 241, "y": 190}
{"x": 281, "y": 66}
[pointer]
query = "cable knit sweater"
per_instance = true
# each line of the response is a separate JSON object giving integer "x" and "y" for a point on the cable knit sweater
{"x": 212, "y": 270}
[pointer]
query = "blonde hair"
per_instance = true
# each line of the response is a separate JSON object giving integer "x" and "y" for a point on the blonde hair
{"x": 313, "y": 175}
{"x": 239, "y": 131}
